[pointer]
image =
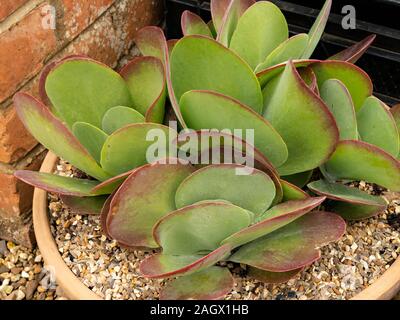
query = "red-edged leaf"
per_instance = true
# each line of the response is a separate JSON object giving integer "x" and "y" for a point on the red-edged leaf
{"x": 293, "y": 246}
{"x": 210, "y": 284}
{"x": 353, "y": 53}
{"x": 84, "y": 205}
{"x": 146, "y": 196}
{"x": 273, "y": 219}
{"x": 292, "y": 192}
{"x": 58, "y": 184}
{"x": 165, "y": 266}
{"x": 52, "y": 133}
{"x": 105, "y": 211}
{"x": 193, "y": 24}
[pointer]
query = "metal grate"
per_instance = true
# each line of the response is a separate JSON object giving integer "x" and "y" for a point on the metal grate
{"x": 382, "y": 60}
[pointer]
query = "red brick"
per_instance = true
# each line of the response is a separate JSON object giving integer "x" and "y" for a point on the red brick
{"x": 18, "y": 230}
{"x": 23, "y": 49}
{"x": 77, "y": 15}
{"x": 16, "y": 196}
{"x": 15, "y": 141}
{"x": 7, "y": 7}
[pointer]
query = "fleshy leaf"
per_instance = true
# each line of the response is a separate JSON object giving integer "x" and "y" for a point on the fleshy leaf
{"x": 309, "y": 77}
{"x": 305, "y": 151}
{"x": 299, "y": 179}
{"x": 353, "y": 53}
{"x": 91, "y": 137}
{"x": 231, "y": 18}
{"x": 119, "y": 117}
{"x": 254, "y": 191}
{"x": 105, "y": 211}
{"x": 208, "y": 143}
{"x": 272, "y": 277}
{"x": 127, "y": 148}
{"x": 292, "y": 192}
{"x": 110, "y": 185}
{"x": 200, "y": 227}
{"x": 85, "y": 85}
{"x": 253, "y": 39}
{"x": 212, "y": 29}
{"x": 165, "y": 266}
{"x": 264, "y": 76}
{"x": 146, "y": 196}
{"x": 290, "y": 49}
{"x": 84, "y": 205}
{"x": 355, "y": 79}
{"x": 354, "y": 203}
{"x": 51, "y": 133}
{"x": 356, "y": 160}
{"x": 210, "y": 284}
{"x": 201, "y": 63}
{"x": 207, "y": 109}
{"x": 193, "y": 24}
{"x": 145, "y": 78}
{"x": 293, "y": 246}
{"x": 218, "y": 10}
{"x": 58, "y": 184}
{"x": 151, "y": 41}
{"x": 273, "y": 219}
{"x": 395, "y": 110}
{"x": 377, "y": 126}
{"x": 317, "y": 29}
{"x": 338, "y": 99}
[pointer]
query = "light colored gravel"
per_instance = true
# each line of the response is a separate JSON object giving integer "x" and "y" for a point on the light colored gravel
{"x": 367, "y": 250}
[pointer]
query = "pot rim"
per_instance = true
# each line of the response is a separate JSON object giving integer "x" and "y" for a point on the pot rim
{"x": 384, "y": 288}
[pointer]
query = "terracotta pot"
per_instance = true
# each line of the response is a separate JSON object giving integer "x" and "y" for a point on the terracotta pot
{"x": 384, "y": 288}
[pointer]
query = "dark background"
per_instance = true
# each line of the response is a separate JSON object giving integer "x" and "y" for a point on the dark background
{"x": 380, "y": 17}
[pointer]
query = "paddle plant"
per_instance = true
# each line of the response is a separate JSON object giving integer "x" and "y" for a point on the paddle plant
{"x": 316, "y": 127}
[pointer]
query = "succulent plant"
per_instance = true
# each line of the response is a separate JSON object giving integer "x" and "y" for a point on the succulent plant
{"x": 316, "y": 126}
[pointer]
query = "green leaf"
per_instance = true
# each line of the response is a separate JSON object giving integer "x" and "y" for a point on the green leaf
{"x": 210, "y": 284}
{"x": 218, "y": 11}
{"x": 58, "y": 184}
{"x": 299, "y": 179}
{"x": 84, "y": 205}
{"x": 151, "y": 41}
{"x": 119, "y": 117}
{"x": 146, "y": 196}
{"x": 254, "y": 191}
{"x": 272, "y": 277}
{"x": 211, "y": 26}
{"x": 208, "y": 143}
{"x": 293, "y": 246}
{"x": 128, "y": 147}
{"x": 266, "y": 75}
{"x": 165, "y": 266}
{"x": 91, "y": 137}
{"x": 377, "y": 126}
{"x": 292, "y": 192}
{"x": 201, "y": 63}
{"x": 317, "y": 29}
{"x": 200, "y": 227}
{"x": 356, "y": 160}
{"x": 51, "y": 133}
{"x": 110, "y": 185}
{"x": 230, "y": 20}
{"x": 310, "y": 114}
{"x": 145, "y": 78}
{"x": 207, "y": 109}
{"x": 253, "y": 38}
{"x": 338, "y": 99}
{"x": 273, "y": 219}
{"x": 290, "y": 49}
{"x": 353, "y": 203}
{"x": 193, "y": 24}
{"x": 356, "y": 80}
{"x": 83, "y": 90}
{"x": 353, "y": 53}
{"x": 309, "y": 77}
{"x": 395, "y": 110}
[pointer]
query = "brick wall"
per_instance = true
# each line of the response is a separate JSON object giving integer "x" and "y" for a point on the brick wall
{"x": 101, "y": 29}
